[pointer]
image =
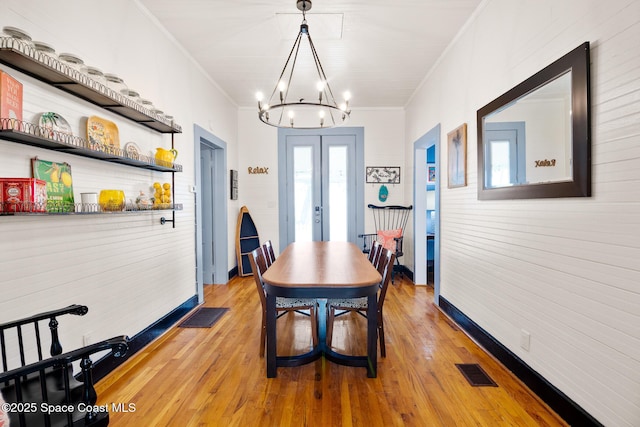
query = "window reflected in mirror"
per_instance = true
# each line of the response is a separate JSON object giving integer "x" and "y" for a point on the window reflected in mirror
{"x": 534, "y": 140}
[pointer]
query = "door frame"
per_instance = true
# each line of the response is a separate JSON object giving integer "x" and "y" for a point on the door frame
{"x": 420, "y": 146}
{"x": 219, "y": 214}
{"x": 358, "y": 132}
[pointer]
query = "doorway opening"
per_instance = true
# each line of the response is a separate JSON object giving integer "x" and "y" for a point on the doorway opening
{"x": 426, "y": 220}
{"x": 210, "y": 154}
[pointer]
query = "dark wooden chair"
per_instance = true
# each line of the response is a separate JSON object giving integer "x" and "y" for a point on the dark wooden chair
{"x": 29, "y": 378}
{"x": 283, "y": 305}
{"x": 269, "y": 254}
{"x": 359, "y": 305}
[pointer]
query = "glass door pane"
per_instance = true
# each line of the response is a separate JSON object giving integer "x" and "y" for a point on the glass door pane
{"x": 303, "y": 192}
{"x": 338, "y": 195}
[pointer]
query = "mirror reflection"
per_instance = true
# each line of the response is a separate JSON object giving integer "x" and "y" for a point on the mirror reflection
{"x": 529, "y": 140}
{"x": 534, "y": 141}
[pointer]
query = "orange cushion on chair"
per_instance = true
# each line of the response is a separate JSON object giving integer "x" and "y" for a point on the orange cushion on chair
{"x": 386, "y": 238}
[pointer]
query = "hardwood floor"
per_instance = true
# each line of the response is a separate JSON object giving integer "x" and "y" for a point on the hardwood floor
{"x": 215, "y": 377}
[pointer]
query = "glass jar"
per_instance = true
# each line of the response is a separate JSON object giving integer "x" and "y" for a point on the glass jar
{"x": 17, "y": 34}
{"x": 72, "y": 61}
{"x": 116, "y": 84}
{"x": 133, "y": 95}
{"x": 46, "y": 51}
{"x": 146, "y": 104}
{"x": 95, "y": 74}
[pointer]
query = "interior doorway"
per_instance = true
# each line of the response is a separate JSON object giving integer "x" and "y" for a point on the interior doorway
{"x": 426, "y": 220}
{"x": 210, "y": 154}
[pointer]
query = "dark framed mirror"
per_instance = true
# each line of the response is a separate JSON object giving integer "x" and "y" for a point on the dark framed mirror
{"x": 534, "y": 141}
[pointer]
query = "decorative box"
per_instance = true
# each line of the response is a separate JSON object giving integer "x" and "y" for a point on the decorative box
{"x": 10, "y": 99}
{"x": 23, "y": 195}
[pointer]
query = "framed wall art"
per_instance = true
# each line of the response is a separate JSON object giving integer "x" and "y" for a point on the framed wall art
{"x": 431, "y": 173}
{"x": 457, "y": 157}
{"x": 383, "y": 174}
{"x": 233, "y": 181}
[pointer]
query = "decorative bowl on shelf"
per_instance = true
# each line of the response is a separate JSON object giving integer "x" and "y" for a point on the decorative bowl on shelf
{"x": 111, "y": 200}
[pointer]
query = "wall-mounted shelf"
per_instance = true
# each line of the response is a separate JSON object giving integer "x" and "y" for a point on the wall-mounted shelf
{"x": 28, "y": 134}
{"x": 47, "y": 69}
{"x": 8, "y": 210}
{"x": 26, "y": 59}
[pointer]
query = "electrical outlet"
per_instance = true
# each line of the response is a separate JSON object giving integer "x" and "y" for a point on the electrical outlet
{"x": 525, "y": 339}
{"x": 86, "y": 340}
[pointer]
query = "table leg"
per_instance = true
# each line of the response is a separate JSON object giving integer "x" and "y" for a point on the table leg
{"x": 372, "y": 336}
{"x": 322, "y": 323}
{"x": 271, "y": 336}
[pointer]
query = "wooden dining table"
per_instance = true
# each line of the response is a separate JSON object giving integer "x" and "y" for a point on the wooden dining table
{"x": 322, "y": 270}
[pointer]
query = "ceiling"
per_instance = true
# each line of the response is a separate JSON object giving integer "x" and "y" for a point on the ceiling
{"x": 378, "y": 50}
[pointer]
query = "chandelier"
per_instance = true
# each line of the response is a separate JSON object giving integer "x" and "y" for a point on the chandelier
{"x": 308, "y": 102}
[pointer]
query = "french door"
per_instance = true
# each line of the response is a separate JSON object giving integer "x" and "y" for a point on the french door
{"x": 320, "y": 188}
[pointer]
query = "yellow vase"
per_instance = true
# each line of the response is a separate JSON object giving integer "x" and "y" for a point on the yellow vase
{"x": 111, "y": 200}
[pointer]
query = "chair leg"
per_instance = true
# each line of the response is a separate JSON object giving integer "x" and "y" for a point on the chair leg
{"x": 330, "y": 318}
{"x": 314, "y": 324}
{"x": 263, "y": 334}
{"x": 383, "y": 350}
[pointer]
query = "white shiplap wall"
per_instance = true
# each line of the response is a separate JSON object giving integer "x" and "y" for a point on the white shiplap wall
{"x": 566, "y": 270}
{"x": 128, "y": 269}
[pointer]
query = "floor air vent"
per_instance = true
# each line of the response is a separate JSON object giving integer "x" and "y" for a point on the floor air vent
{"x": 476, "y": 376}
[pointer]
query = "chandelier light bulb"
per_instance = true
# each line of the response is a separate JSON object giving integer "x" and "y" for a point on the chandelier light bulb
{"x": 259, "y": 97}
{"x": 282, "y": 86}
{"x": 291, "y": 118}
{"x": 321, "y": 118}
{"x": 347, "y": 96}
{"x": 320, "y": 87}
{"x": 343, "y": 106}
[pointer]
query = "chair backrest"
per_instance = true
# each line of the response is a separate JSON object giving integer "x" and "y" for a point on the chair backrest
{"x": 258, "y": 267}
{"x": 374, "y": 252}
{"x": 390, "y": 222}
{"x": 390, "y": 217}
{"x": 269, "y": 254}
{"x": 385, "y": 268}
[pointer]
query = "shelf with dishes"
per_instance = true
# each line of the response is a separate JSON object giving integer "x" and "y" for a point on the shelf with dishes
{"x": 46, "y": 137}
{"x": 23, "y": 57}
{"x": 31, "y": 209}
{"x": 50, "y": 192}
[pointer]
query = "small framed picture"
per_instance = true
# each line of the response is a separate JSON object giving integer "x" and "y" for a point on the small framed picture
{"x": 383, "y": 175}
{"x": 431, "y": 173}
{"x": 457, "y": 153}
{"x": 233, "y": 182}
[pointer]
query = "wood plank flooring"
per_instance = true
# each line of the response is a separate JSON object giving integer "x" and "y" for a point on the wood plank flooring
{"x": 215, "y": 377}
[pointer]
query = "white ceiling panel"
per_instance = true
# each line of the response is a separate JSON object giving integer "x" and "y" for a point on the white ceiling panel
{"x": 378, "y": 50}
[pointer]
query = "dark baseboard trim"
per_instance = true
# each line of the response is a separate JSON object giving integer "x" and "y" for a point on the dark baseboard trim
{"x": 405, "y": 271}
{"x": 102, "y": 367}
{"x": 233, "y": 272}
{"x": 566, "y": 408}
